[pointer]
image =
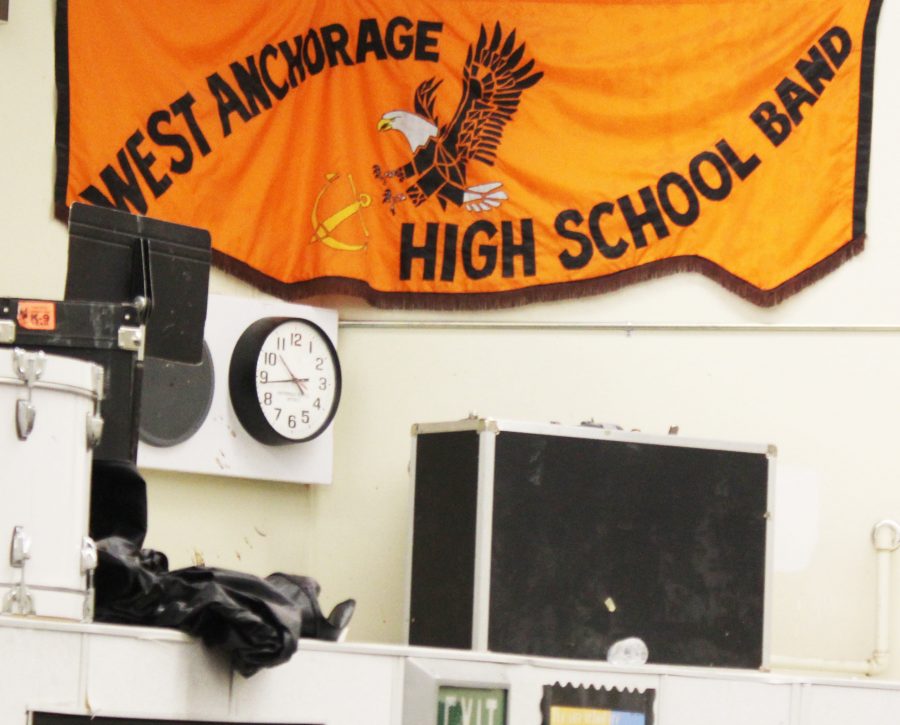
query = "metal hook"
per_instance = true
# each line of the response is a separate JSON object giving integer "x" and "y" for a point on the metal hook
{"x": 886, "y": 524}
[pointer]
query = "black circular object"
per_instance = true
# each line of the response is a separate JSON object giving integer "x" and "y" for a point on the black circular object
{"x": 284, "y": 380}
{"x": 175, "y": 399}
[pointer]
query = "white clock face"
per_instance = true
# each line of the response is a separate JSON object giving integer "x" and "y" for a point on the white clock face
{"x": 297, "y": 379}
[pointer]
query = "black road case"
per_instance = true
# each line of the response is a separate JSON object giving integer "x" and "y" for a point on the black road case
{"x": 558, "y": 541}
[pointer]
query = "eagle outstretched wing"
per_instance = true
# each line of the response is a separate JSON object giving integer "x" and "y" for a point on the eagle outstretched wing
{"x": 424, "y": 101}
{"x": 493, "y": 82}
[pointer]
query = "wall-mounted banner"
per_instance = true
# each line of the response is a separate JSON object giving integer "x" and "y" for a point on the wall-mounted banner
{"x": 478, "y": 152}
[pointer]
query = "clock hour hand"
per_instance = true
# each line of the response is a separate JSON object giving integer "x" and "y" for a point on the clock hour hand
{"x": 300, "y": 382}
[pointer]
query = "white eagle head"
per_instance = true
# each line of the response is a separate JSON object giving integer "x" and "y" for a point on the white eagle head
{"x": 415, "y": 129}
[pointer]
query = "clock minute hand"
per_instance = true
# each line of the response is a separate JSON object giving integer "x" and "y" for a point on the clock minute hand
{"x": 300, "y": 382}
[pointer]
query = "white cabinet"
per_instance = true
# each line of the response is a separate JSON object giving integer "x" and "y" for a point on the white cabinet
{"x": 134, "y": 672}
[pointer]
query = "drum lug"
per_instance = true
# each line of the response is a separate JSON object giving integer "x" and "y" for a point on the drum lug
{"x": 25, "y": 414}
{"x": 19, "y": 548}
{"x": 18, "y": 600}
{"x": 94, "y": 430}
{"x": 88, "y": 555}
{"x": 29, "y": 368}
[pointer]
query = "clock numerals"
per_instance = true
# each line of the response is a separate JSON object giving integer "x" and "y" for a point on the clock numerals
{"x": 292, "y": 369}
{"x": 293, "y": 339}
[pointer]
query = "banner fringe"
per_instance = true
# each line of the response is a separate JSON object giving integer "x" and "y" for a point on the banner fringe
{"x": 298, "y": 291}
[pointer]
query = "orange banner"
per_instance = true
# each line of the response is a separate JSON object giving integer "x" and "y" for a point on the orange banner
{"x": 478, "y": 152}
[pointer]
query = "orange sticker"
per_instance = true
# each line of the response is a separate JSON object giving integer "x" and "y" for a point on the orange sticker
{"x": 35, "y": 315}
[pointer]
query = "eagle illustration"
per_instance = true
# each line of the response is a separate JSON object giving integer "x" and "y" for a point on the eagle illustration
{"x": 493, "y": 81}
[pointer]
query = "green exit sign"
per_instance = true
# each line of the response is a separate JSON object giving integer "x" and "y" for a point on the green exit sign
{"x": 471, "y": 706}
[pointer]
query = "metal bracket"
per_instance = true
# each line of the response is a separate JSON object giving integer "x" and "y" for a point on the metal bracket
{"x": 89, "y": 560}
{"x": 94, "y": 419}
{"x": 889, "y": 528}
{"x": 7, "y": 331}
{"x": 131, "y": 338}
{"x": 29, "y": 365}
{"x": 19, "y": 600}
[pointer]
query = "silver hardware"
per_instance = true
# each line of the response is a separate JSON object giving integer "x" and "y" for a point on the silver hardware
{"x": 94, "y": 429}
{"x": 25, "y": 414}
{"x": 7, "y": 331}
{"x": 88, "y": 555}
{"x": 98, "y": 382}
{"x": 19, "y": 600}
{"x": 892, "y": 529}
{"x": 95, "y": 420}
{"x": 87, "y": 614}
{"x": 89, "y": 560}
{"x": 131, "y": 338}
{"x": 29, "y": 367}
{"x": 19, "y": 548}
{"x": 142, "y": 303}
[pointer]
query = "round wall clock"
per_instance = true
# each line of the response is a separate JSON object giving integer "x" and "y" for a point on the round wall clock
{"x": 284, "y": 380}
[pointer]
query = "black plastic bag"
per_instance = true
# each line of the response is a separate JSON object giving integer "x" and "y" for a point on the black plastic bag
{"x": 255, "y": 622}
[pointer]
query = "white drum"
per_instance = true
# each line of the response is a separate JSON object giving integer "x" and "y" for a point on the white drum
{"x": 49, "y": 423}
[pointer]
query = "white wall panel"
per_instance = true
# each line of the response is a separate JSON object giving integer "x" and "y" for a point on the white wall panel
{"x": 714, "y": 701}
{"x": 837, "y": 705}
{"x": 319, "y": 686}
{"x": 158, "y": 675}
{"x": 38, "y": 669}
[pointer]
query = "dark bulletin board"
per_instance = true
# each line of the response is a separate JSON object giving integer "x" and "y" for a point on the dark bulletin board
{"x": 598, "y": 540}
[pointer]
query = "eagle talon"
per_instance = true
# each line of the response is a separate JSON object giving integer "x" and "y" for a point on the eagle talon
{"x": 390, "y": 198}
{"x": 385, "y": 175}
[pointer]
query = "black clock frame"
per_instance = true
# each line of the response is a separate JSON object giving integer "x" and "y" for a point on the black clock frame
{"x": 242, "y": 381}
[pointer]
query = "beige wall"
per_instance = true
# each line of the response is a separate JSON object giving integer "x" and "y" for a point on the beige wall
{"x": 828, "y": 398}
